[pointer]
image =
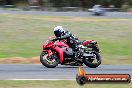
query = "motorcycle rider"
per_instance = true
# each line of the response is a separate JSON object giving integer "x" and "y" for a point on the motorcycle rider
{"x": 61, "y": 34}
{"x": 72, "y": 41}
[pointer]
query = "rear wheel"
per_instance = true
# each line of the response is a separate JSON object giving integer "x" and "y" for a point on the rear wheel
{"x": 49, "y": 61}
{"x": 94, "y": 61}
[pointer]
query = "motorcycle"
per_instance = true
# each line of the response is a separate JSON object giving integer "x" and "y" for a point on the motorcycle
{"x": 58, "y": 52}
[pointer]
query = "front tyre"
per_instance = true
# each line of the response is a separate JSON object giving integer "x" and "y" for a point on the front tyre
{"x": 93, "y": 62}
{"x": 49, "y": 61}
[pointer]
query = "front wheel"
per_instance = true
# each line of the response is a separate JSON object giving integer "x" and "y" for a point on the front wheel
{"x": 49, "y": 61}
{"x": 94, "y": 61}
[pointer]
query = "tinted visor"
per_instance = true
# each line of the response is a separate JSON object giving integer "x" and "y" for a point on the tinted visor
{"x": 57, "y": 33}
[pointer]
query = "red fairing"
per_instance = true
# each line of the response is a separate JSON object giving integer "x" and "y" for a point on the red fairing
{"x": 60, "y": 51}
{"x": 87, "y": 42}
{"x": 50, "y": 44}
{"x": 57, "y": 46}
{"x": 61, "y": 44}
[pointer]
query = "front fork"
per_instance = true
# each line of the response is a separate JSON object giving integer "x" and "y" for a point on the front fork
{"x": 49, "y": 52}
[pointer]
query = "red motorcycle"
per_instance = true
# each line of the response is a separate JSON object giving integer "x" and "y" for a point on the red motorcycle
{"x": 58, "y": 52}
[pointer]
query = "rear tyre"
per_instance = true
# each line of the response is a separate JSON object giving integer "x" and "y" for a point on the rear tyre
{"x": 89, "y": 61}
{"x": 49, "y": 61}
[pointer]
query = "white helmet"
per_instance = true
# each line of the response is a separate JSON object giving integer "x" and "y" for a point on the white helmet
{"x": 58, "y": 31}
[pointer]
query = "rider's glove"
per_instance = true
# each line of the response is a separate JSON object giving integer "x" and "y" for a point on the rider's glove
{"x": 57, "y": 38}
{"x": 53, "y": 40}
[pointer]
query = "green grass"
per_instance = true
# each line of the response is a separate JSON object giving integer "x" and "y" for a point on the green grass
{"x": 23, "y": 35}
{"x": 57, "y": 84}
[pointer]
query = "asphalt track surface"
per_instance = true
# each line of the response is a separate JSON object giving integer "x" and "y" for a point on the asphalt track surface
{"x": 38, "y": 71}
{"x": 71, "y": 14}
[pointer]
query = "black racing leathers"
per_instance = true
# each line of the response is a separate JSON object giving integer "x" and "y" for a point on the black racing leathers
{"x": 72, "y": 41}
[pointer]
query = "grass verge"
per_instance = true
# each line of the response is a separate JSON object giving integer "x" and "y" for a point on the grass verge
{"x": 57, "y": 84}
{"x": 23, "y": 35}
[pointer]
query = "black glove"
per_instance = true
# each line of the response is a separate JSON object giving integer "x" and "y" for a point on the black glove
{"x": 57, "y": 38}
{"x": 53, "y": 40}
